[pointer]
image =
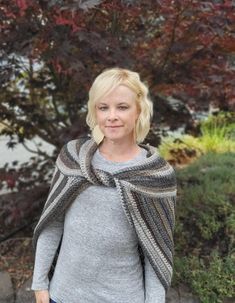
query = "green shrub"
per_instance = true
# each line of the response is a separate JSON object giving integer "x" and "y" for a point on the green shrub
{"x": 205, "y": 221}
{"x": 217, "y": 135}
{"x": 170, "y": 147}
{"x": 212, "y": 282}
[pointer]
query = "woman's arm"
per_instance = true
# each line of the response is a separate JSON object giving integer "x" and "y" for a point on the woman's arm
{"x": 154, "y": 290}
{"x": 47, "y": 244}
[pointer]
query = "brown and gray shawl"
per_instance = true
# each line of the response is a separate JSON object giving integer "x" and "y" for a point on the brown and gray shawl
{"x": 147, "y": 194}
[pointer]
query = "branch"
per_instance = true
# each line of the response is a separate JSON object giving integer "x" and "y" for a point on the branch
{"x": 38, "y": 152}
{"x": 172, "y": 39}
{"x": 184, "y": 64}
{"x": 58, "y": 116}
{"x": 8, "y": 126}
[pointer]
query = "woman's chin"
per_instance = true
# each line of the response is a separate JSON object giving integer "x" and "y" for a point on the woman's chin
{"x": 118, "y": 138}
{"x": 113, "y": 138}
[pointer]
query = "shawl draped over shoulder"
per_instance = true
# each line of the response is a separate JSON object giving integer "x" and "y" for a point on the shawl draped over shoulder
{"x": 147, "y": 194}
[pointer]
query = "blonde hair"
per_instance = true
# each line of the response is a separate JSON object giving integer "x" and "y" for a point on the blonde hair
{"x": 108, "y": 80}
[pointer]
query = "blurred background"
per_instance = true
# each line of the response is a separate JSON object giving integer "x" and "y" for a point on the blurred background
{"x": 50, "y": 53}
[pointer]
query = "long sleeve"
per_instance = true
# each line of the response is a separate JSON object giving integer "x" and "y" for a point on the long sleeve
{"x": 154, "y": 290}
{"x": 47, "y": 244}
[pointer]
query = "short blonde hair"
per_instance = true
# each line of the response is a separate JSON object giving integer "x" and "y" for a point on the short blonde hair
{"x": 108, "y": 80}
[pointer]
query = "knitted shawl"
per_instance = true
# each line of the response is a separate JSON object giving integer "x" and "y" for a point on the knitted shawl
{"x": 147, "y": 194}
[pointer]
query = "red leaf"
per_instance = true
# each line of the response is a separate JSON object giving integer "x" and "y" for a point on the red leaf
{"x": 23, "y": 5}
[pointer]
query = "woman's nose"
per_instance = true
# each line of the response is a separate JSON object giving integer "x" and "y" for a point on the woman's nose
{"x": 112, "y": 114}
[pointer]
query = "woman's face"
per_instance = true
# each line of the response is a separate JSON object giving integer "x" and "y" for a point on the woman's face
{"x": 117, "y": 112}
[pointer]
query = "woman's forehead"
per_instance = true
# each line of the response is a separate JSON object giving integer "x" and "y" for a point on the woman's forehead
{"x": 119, "y": 93}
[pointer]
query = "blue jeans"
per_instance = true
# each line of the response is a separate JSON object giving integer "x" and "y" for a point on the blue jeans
{"x": 51, "y": 301}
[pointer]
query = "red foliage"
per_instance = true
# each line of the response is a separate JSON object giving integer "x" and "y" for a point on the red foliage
{"x": 22, "y": 5}
{"x": 10, "y": 182}
{"x": 67, "y": 18}
{"x": 182, "y": 48}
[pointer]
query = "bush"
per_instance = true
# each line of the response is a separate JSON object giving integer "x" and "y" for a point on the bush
{"x": 217, "y": 135}
{"x": 205, "y": 224}
{"x": 212, "y": 282}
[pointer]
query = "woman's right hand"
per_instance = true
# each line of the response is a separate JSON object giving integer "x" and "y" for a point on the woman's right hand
{"x": 42, "y": 296}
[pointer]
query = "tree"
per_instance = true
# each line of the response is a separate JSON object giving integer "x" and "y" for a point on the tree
{"x": 52, "y": 50}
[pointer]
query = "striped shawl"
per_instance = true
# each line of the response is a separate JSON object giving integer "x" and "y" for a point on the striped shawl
{"x": 147, "y": 194}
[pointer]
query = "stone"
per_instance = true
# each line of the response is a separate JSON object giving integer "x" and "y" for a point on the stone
{"x": 172, "y": 296}
{"x": 25, "y": 294}
{"x": 6, "y": 288}
{"x": 229, "y": 300}
{"x": 185, "y": 295}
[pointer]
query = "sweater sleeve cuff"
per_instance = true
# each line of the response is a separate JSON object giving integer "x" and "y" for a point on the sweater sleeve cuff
{"x": 43, "y": 286}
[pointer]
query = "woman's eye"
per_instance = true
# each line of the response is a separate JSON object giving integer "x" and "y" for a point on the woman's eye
{"x": 120, "y": 107}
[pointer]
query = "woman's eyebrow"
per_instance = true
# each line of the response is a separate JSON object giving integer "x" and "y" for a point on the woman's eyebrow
{"x": 102, "y": 103}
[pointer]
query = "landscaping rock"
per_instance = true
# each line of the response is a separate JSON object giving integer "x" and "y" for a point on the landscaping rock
{"x": 172, "y": 296}
{"x": 25, "y": 294}
{"x": 180, "y": 295}
{"x": 6, "y": 288}
{"x": 229, "y": 300}
{"x": 185, "y": 296}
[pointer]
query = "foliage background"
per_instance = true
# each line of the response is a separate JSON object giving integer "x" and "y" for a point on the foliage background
{"x": 51, "y": 51}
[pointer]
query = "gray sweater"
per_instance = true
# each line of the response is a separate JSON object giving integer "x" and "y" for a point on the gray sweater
{"x": 99, "y": 260}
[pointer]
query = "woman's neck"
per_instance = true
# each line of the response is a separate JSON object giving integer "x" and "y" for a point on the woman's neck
{"x": 119, "y": 150}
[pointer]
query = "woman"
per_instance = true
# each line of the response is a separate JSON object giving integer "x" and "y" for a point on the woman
{"x": 111, "y": 206}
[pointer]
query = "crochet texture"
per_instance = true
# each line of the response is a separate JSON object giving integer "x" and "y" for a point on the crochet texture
{"x": 147, "y": 194}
